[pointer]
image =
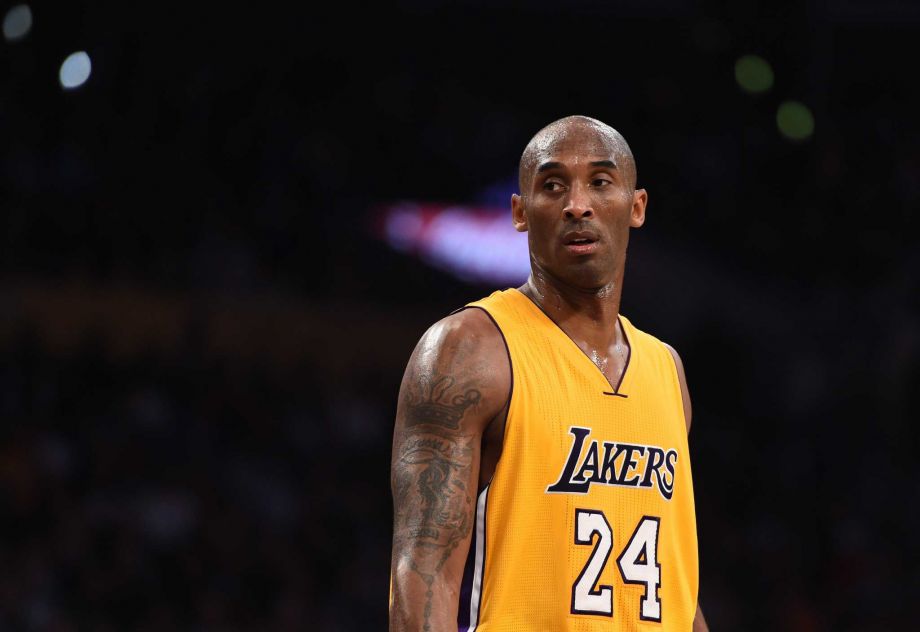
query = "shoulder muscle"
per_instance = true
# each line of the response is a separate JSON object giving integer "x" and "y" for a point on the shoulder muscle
{"x": 458, "y": 375}
{"x": 684, "y": 391}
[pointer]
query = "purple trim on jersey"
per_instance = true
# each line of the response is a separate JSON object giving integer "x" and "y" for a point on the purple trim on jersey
{"x": 466, "y": 586}
{"x": 470, "y": 603}
{"x": 482, "y": 570}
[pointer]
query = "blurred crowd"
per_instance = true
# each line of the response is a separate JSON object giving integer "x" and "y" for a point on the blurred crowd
{"x": 183, "y": 493}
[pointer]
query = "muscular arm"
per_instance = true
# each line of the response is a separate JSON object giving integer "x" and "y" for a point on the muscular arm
{"x": 456, "y": 382}
{"x": 699, "y": 621}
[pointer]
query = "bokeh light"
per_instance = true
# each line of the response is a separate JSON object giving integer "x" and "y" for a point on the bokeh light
{"x": 753, "y": 74}
{"x": 75, "y": 70}
{"x": 17, "y": 23}
{"x": 795, "y": 120}
{"x": 473, "y": 244}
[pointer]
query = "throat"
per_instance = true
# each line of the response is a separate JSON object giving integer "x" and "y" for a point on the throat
{"x": 593, "y": 326}
{"x": 613, "y": 363}
{"x": 600, "y": 361}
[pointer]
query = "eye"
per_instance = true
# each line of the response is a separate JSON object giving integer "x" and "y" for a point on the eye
{"x": 552, "y": 185}
{"x": 600, "y": 182}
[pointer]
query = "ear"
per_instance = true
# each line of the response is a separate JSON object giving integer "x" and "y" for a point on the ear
{"x": 518, "y": 217}
{"x": 637, "y": 214}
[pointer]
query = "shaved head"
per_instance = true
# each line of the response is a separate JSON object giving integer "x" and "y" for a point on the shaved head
{"x": 575, "y": 129}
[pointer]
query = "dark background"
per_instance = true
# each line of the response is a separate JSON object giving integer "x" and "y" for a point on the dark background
{"x": 201, "y": 337}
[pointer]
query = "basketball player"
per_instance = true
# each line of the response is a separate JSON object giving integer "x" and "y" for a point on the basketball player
{"x": 540, "y": 473}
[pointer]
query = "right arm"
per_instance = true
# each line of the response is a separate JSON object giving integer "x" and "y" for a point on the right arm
{"x": 457, "y": 381}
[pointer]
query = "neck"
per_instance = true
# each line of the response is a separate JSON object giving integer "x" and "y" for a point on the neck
{"x": 585, "y": 314}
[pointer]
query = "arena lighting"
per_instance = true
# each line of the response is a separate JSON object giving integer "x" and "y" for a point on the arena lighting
{"x": 475, "y": 244}
{"x": 795, "y": 120}
{"x": 75, "y": 70}
{"x": 17, "y": 23}
{"x": 753, "y": 74}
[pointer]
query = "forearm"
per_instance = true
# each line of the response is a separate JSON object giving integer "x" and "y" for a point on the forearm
{"x": 422, "y": 601}
{"x": 432, "y": 489}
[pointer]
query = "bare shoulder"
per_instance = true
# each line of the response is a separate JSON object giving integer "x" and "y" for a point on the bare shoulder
{"x": 472, "y": 327}
{"x": 460, "y": 367}
{"x": 684, "y": 390}
{"x": 677, "y": 361}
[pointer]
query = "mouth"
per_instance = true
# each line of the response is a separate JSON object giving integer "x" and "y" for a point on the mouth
{"x": 580, "y": 242}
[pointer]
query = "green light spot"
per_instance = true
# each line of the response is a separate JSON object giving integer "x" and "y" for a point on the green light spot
{"x": 795, "y": 120}
{"x": 753, "y": 74}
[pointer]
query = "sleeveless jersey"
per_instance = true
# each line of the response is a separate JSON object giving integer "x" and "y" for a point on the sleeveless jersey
{"x": 588, "y": 522}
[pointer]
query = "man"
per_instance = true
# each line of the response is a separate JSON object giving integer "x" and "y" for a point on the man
{"x": 540, "y": 473}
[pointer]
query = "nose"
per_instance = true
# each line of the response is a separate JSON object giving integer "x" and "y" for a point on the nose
{"x": 578, "y": 204}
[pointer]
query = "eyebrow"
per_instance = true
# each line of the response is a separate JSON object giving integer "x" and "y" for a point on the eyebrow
{"x": 546, "y": 166}
{"x": 604, "y": 163}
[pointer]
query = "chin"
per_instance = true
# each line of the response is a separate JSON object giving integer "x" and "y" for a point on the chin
{"x": 588, "y": 277}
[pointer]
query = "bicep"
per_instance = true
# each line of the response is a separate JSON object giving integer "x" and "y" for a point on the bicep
{"x": 435, "y": 459}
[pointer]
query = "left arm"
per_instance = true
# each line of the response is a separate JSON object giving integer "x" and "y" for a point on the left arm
{"x": 699, "y": 621}
{"x": 684, "y": 391}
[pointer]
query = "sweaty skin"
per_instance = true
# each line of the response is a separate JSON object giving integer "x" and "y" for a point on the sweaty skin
{"x": 578, "y": 202}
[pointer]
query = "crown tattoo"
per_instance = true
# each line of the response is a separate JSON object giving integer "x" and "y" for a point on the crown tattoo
{"x": 435, "y": 406}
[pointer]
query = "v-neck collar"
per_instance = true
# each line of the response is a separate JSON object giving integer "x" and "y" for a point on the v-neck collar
{"x": 573, "y": 346}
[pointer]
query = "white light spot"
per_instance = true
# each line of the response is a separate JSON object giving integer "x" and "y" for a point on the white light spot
{"x": 17, "y": 23}
{"x": 75, "y": 70}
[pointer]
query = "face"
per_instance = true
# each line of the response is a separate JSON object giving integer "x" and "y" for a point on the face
{"x": 578, "y": 207}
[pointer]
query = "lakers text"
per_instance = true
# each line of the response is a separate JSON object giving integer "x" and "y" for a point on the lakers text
{"x": 617, "y": 464}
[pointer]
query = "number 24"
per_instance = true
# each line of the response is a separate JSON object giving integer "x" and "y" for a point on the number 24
{"x": 586, "y": 599}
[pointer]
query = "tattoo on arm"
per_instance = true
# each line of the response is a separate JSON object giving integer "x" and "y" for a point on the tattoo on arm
{"x": 438, "y": 469}
{"x": 434, "y": 403}
{"x": 432, "y": 474}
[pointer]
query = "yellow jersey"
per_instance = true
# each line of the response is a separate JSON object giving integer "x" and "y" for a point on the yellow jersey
{"x": 588, "y": 522}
